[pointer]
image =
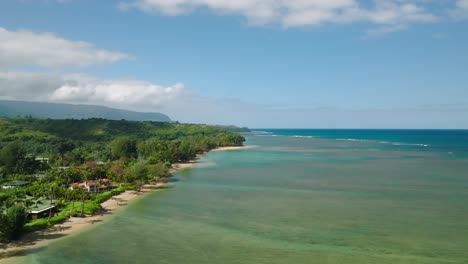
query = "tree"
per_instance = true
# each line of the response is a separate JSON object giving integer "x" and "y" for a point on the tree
{"x": 136, "y": 171}
{"x": 64, "y": 146}
{"x": 11, "y": 155}
{"x": 71, "y": 158}
{"x": 74, "y": 175}
{"x": 116, "y": 172}
{"x": 124, "y": 147}
{"x": 4, "y": 226}
{"x": 12, "y": 223}
{"x": 81, "y": 194}
{"x": 14, "y": 159}
{"x": 157, "y": 171}
{"x": 94, "y": 171}
{"x": 55, "y": 191}
{"x": 188, "y": 150}
{"x": 154, "y": 149}
{"x": 73, "y": 195}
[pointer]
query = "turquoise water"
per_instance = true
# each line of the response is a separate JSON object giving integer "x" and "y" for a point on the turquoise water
{"x": 297, "y": 197}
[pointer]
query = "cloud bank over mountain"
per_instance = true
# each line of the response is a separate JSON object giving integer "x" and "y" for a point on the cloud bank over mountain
{"x": 79, "y": 88}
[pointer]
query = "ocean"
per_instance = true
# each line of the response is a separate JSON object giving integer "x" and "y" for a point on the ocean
{"x": 297, "y": 196}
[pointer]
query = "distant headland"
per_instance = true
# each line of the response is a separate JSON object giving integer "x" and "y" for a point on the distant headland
{"x": 10, "y": 108}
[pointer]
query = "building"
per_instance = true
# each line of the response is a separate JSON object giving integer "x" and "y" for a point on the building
{"x": 104, "y": 184}
{"x": 92, "y": 186}
{"x": 14, "y": 184}
{"x": 42, "y": 160}
{"x": 36, "y": 208}
{"x": 89, "y": 186}
{"x": 42, "y": 207}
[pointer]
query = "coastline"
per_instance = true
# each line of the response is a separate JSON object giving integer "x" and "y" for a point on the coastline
{"x": 74, "y": 225}
{"x": 234, "y": 148}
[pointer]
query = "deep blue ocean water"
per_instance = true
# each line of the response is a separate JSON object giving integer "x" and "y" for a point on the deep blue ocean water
{"x": 452, "y": 142}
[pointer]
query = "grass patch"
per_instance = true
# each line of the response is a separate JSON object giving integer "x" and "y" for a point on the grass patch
{"x": 102, "y": 197}
{"x": 74, "y": 209}
{"x": 43, "y": 223}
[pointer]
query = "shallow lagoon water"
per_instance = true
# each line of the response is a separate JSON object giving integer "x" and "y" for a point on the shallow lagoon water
{"x": 292, "y": 200}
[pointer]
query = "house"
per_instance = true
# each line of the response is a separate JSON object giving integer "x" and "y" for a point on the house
{"x": 104, "y": 184}
{"x": 41, "y": 207}
{"x": 42, "y": 160}
{"x": 15, "y": 184}
{"x": 89, "y": 186}
{"x": 36, "y": 208}
{"x": 92, "y": 186}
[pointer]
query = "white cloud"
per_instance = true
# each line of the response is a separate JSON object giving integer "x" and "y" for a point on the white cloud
{"x": 461, "y": 9}
{"x": 77, "y": 88}
{"x": 49, "y": 50}
{"x": 290, "y": 13}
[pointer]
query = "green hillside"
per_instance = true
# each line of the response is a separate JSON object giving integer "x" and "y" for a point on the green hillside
{"x": 45, "y": 136}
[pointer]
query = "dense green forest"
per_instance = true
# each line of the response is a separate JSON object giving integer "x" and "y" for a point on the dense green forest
{"x": 47, "y": 155}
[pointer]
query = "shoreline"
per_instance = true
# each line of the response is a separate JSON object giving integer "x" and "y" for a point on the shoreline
{"x": 233, "y": 148}
{"x": 74, "y": 225}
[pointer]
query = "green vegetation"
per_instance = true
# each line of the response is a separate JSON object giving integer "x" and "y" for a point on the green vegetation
{"x": 12, "y": 222}
{"x": 42, "y": 223}
{"x": 52, "y": 154}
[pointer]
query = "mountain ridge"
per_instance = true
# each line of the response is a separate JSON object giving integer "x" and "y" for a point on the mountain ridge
{"x": 13, "y": 108}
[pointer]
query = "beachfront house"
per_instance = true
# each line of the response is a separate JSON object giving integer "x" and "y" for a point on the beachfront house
{"x": 36, "y": 208}
{"x": 15, "y": 184}
{"x": 89, "y": 186}
{"x": 92, "y": 186}
{"x": 42, "y": 207}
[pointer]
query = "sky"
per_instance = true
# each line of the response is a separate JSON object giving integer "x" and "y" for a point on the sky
{"x": 256, "y": 63}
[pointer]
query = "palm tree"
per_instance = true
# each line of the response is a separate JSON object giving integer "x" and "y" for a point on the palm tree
{"x": 73, "y": 194}
{"x": 53, "y": 190}
{"x": 82, "y": 193}
{"x": 27, "y": 203}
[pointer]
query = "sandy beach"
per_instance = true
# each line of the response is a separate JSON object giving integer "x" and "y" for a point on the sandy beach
{"x": 233, "y": 148}
{"x": 73, "y": 225}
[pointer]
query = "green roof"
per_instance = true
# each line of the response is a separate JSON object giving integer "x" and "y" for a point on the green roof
{"x": 37, "y": 206}
{"x": 41, "y": 204}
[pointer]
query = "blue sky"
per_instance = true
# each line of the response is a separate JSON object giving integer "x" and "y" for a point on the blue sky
{"x": 306, "y": 63}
